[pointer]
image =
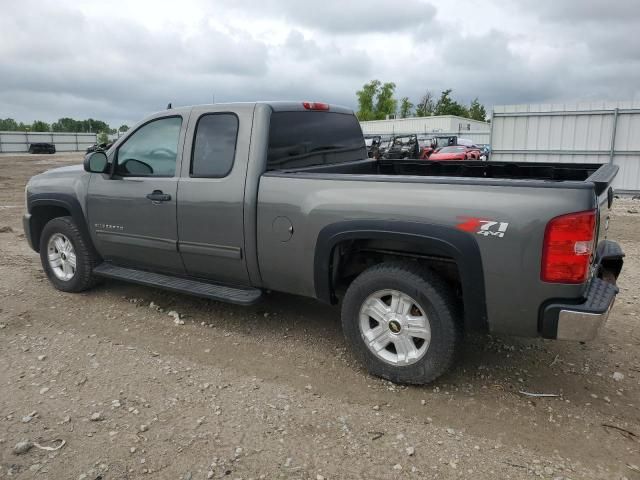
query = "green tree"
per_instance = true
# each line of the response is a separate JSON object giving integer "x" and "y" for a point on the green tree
{"x": 447, "y": 106}
{"x": 477, "y": 110}
{"x": 103, "y": 137}
{"x": 123, "y": 128}
{"x": 66, "y": 124}
{"x": 376, "y": 100}
{"x": 8, "y": 125}
{"x": 40, "y": 126}
{"x": 406, "y": 107}
{"x": 385, "y": 103}
{"x": 366, "y": 98}
{"x": 426, "y": 106}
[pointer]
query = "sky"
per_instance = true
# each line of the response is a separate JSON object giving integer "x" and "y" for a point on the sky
{"x": 120, "y": 60}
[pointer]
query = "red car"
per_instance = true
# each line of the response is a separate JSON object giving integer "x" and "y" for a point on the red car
{"x": 458, "y": 152}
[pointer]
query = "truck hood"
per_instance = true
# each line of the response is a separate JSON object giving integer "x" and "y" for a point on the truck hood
{"x": 63, "y": 180}
{"x": 64, "y": 171}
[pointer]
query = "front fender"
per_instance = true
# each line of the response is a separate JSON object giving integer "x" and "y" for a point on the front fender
{"x": 60, "y": 200}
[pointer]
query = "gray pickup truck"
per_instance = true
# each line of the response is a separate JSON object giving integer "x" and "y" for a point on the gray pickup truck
{"x": 230, "y": 201}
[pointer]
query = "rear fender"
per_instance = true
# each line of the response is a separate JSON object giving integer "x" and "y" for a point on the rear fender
{"x": 436, "y": 240}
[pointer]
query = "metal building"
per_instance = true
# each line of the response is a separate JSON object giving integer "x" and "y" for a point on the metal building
{"x": 602, "y": 132}
{"x": 18, "y": 142}
{"x": 442, "y": 125}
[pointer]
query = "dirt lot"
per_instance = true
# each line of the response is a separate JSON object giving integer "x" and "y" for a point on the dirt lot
{"x": 271, "y": 391}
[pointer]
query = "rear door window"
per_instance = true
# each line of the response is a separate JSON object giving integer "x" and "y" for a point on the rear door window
{"x": 214, "y": 146}
{"x": 309, "y": 138}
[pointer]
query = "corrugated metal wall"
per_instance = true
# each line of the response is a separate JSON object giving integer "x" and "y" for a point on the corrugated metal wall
{"x": 18, "y": 142}
{"x": 572, "y": 133}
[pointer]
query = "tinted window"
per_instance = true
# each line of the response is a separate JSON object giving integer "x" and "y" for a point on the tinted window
{"x": 151, "y": 150}
{"x": 214, "y": 145}
{"x": 305, "y": 139}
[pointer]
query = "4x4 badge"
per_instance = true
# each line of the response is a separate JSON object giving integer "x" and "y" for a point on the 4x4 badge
{"x": 482, "y": 226}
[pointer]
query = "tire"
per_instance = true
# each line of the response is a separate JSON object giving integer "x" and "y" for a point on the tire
{"x": 81, "y": 277}
{"x": 429, "y": 296}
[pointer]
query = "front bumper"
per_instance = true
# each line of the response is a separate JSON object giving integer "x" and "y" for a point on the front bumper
{"x": 581, "y": 320}
{"x": 26, "y": 224}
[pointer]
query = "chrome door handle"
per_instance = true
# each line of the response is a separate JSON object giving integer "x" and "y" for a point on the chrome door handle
{"x": 158, "y": 196}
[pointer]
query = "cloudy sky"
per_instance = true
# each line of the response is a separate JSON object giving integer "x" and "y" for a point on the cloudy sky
{"x": 119, "y": 60}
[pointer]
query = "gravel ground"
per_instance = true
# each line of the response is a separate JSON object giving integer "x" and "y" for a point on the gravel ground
{"x": 271, "y": 391}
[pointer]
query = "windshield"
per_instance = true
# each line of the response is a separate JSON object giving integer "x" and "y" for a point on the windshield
{"x": 451, "y": 150}
{"x": 306, "y": 139}
{"x": 444, "y": 141}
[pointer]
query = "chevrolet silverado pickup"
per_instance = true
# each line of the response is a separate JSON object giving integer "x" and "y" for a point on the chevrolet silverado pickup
{"x": 230, "y": 201}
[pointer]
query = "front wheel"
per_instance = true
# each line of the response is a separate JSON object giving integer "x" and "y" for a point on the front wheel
{"x": 402, "y": 321}
{"x": 67, "y": 259}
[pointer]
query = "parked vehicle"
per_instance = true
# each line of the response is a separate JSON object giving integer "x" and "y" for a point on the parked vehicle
{"x": 99, "y": 146}
{"x": 372, "y": 142}
{"x": 440, "y": 142}
{"x": 385, "y": 144}
{"x": 229, "y": 201}
{"x": 42, "y": 148}
{"x": 456, "y": 153}
{"x": 485, "y": 151}
{"x": 403, "y": 146}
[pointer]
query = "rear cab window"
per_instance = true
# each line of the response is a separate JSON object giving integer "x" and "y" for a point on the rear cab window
{"x": 299, "y": 139}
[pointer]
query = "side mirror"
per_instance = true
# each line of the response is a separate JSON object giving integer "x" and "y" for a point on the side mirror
{"x": 95, "y": 162}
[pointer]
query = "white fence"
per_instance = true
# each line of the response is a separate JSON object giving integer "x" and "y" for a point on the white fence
{"x": 18, "y": 142}
{"x": 603, "y": 132}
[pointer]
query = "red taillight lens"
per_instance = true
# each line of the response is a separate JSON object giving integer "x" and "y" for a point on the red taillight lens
{"x": 315, "y": 106}
{"x": 568, "y": 246}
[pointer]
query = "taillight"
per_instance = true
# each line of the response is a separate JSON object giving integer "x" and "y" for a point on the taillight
{"x": 315, "y": 106}
{"x": 568, "y": 246}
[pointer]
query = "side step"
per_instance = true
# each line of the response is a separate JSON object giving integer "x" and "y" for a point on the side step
{"x": 240, "y": 296}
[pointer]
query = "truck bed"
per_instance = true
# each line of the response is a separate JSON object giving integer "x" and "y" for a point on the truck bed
{"x": 564, "y": 175}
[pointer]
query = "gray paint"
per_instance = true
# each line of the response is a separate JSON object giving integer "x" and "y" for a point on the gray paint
{"x": 511, "y": 264}
{"x": 226, "y": 229}
{"x": 210, "y": 210}
{"x": 128, "y": 228}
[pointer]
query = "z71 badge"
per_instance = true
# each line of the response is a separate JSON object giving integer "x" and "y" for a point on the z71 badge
{"x": 482, "y": 226}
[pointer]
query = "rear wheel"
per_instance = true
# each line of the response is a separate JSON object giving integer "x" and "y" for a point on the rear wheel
{"x": 67, "y": 259}
{"x": 402, "y": 322}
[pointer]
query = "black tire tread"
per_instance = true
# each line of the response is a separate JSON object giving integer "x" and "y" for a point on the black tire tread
{"x": 86, "y": 257}
{"x": 423, "y": 281}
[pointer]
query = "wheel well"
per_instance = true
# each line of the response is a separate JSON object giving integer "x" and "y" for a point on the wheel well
{"x": 40, "y": 216}
{"x": 351, "y": 257}
{"x": 344, "y": 249}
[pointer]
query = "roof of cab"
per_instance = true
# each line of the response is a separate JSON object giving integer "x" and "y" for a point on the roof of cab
{"x": 277, "y": 106}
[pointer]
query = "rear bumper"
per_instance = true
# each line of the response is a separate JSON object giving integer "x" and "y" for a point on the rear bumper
{"x": 581, "y": 320}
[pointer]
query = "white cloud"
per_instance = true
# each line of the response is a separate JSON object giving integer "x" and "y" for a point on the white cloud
{"x": 120, "y": 60}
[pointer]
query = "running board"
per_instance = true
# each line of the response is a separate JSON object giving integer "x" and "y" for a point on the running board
{"x": 240, "y": 296}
